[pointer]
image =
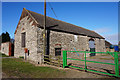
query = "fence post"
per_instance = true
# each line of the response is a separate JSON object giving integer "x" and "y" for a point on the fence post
{"x": 58, "y": 61}
{"x": 64, "y": 59}
{"x": 50, "y": 59}
{"x": 116, "y": 64}
{"x": 85, "y": 63}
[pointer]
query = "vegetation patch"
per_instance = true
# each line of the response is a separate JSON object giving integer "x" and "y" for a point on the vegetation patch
{"x": 3, "y": 55}
{"x": 21, "y": 57}
{"x": 19, "y": 68}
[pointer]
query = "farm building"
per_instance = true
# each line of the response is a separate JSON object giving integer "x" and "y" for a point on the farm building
{"x": 60, "y": 36}
{"x": 107, "y": 44}
{"x": 7, "y": 48}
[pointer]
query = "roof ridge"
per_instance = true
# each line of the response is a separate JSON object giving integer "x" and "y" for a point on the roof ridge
{"x": 65, "y": 22}
{"x": 62, "y": 21}
{"x": 35, "y": 12}
{"x": 71, "y": 24}
{"x": 30, "y": 15}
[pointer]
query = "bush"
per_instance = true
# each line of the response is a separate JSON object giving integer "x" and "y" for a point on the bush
{"x": 21, "y": 57}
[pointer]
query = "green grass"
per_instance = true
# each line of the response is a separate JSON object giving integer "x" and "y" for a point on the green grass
{"x": 3, "y": 55}
{"x": 19, "y": 68}
{"x": 22, "y": 57}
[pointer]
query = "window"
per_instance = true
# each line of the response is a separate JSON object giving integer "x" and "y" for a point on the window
{"x": 57, "y": 51}
{"x": 23, "y": 39}
{"x": 75, "y": 38}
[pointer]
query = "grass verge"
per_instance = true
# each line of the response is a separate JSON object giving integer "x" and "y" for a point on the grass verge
{"x": 18, "y": 68}
{"x": 3, "y": 55}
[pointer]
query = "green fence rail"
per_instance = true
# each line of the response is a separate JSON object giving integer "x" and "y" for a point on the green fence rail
{"x": 114, "y": 54}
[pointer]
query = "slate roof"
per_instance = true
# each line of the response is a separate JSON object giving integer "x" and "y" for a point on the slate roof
{"x": 63, "y": 26}
{"x": 107, "y": 44}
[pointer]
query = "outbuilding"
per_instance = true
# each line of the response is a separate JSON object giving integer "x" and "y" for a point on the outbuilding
{"x": 7, "y": 48}
{"x": 60, "y": 36}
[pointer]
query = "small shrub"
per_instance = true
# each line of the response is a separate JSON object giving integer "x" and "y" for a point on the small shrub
{"x": 21, "y": 57}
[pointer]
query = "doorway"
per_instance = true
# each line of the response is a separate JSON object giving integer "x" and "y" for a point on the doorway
{"x": 92, "y": 47}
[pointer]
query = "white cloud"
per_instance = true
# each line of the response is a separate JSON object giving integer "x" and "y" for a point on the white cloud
{"x": 106, "y": 32}
{"x": 102, "y": 30}
{"x": 113, "y": 38}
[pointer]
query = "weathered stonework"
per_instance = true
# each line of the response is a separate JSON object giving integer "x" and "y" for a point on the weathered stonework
{"x": 5, "y": 48}
{"x": 31, "y": 39}
{"x": 69, "y": 42}
{"x": 55, "y": 39}
{"x": 100, "y": 45}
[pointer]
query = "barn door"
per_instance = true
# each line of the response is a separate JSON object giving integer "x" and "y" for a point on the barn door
{"x": 92, "y": 46}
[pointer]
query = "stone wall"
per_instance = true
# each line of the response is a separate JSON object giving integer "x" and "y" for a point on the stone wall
{"x": 31, "y": 39}
{"x": 40, "y": 45}
{"x": 65, "y": 41}
{"x": 71, "y": 41}
{"x": 100, "y": 45}
{"x": 40, "y": 40}
{"x": 5, "y": 48}
{"x": 68, "y": 42}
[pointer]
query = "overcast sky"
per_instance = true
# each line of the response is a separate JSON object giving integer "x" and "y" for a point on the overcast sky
{"x": 101, "y": 17}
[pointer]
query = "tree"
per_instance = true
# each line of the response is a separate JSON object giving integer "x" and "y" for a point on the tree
{"x": 5, "y": 37}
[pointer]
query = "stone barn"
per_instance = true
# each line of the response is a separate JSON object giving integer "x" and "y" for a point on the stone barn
{"x": 60, "y": 36}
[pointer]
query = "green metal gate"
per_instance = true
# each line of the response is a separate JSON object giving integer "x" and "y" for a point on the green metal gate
{"x": 114, "y": 54}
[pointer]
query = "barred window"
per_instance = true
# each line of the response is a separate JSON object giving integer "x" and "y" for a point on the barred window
{"x": 57, "y": 51}
{"x": 23, "y": 39}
